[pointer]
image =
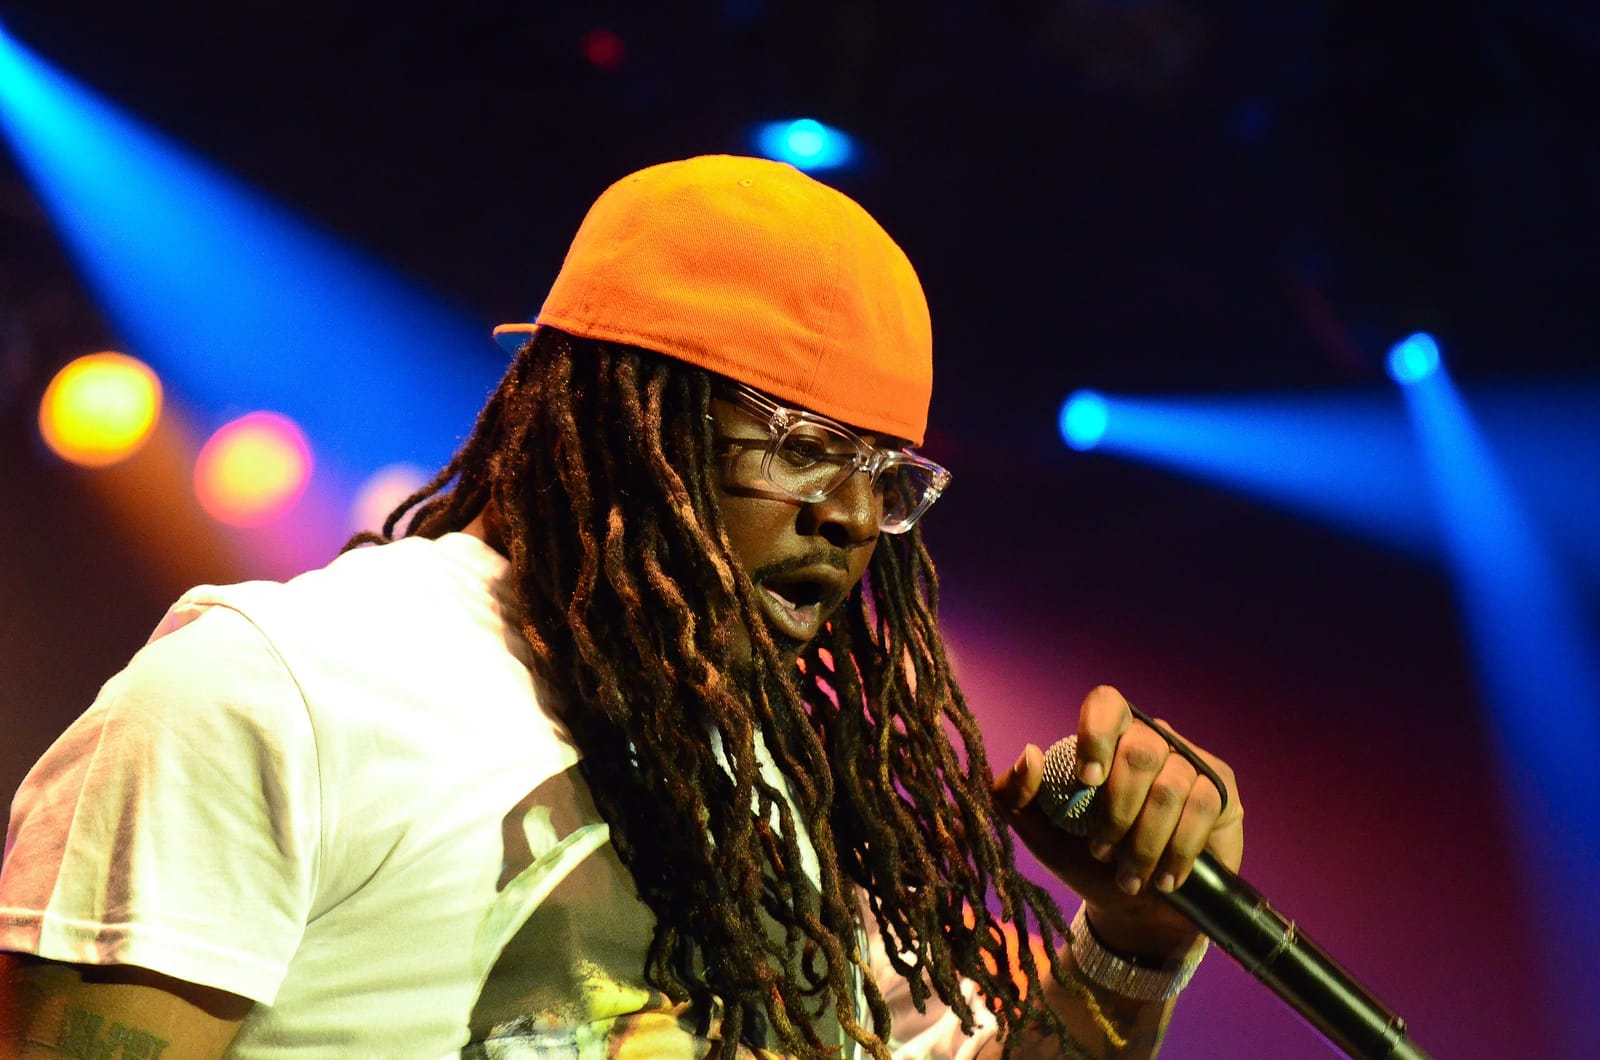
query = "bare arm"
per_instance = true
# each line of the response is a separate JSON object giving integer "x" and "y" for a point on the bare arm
{"x": 50, "y": 1010}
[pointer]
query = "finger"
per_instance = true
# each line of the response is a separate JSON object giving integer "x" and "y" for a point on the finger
{"x": 1102, "y": 720}
{"x": 1018, "y": 786}
{"x": 1232, "y": 809}
{"x": 1140, "y": 756}
{"x": 1158, "y": 818}
{"x": 1200, "y": 812}
{"x": 1228, "y": 793}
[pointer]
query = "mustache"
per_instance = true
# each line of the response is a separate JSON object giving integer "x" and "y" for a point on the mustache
{"x": 821, "y": 558}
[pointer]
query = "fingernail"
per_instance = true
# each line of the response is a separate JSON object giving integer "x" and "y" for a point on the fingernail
{"x": 1128, "y": 883}
{"x": 1091, "y": 773}
{"x": 1166, "y": 882}
{"x": 1022, "y": 762}
{"x": 1100, "y": 851}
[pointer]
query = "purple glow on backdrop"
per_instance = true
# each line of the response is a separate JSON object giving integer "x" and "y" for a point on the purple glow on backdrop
{"x": 1316, "y": 844}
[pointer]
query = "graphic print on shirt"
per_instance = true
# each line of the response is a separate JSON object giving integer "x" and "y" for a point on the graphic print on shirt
{"x": 564, "y": 945}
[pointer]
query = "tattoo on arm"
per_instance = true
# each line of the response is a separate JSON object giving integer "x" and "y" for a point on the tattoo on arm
{"x": 87, "y": 1035}
{"x": 1080, "y": 1050}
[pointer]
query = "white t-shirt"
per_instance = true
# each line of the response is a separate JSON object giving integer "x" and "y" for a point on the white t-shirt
{"x": 344, "y": 798}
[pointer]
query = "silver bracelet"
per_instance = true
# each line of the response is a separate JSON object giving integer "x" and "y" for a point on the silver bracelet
{"x": 1118, "y": 974}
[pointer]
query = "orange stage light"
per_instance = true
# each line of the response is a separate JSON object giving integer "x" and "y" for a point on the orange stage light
{"x": 99, "y": 409}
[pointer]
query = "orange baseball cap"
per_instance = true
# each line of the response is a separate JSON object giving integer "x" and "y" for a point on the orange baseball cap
{"x": 750, "y": 269}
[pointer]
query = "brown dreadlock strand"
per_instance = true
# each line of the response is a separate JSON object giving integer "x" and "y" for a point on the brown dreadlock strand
{"x": 598, "y": 460}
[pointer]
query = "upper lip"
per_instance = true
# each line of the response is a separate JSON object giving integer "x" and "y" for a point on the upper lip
{"x": 831, "y": 581}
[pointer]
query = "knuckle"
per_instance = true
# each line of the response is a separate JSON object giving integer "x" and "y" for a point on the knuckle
{"x": 1167, "y": 793}
{"x": 1142, "y": 757}
{"x": 1205, "y": 799}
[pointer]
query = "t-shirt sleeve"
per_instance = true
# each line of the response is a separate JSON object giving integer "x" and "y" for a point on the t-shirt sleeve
{"x": 175, "y": 825}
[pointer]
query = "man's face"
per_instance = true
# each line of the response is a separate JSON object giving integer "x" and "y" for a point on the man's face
{"x": 804, "y": 557}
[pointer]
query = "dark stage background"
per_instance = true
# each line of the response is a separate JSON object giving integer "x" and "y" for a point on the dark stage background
{"x": 1147, "y": 198}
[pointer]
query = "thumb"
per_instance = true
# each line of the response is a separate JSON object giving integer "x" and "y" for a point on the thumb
{"x": 1018, "y": 786}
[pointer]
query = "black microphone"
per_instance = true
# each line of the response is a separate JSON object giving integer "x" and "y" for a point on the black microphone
{"x": 1265, "y": 943}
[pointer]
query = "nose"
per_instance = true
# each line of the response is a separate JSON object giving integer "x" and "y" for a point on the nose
{"x": 847, "y": 516}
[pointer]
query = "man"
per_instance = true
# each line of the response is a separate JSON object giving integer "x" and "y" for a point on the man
{"x": 641, "y": 742}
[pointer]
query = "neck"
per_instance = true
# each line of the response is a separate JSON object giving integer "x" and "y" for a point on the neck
{"x": 486, "y": 527}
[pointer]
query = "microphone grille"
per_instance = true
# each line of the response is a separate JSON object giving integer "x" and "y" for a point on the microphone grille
{"x": 1064, "y": 800}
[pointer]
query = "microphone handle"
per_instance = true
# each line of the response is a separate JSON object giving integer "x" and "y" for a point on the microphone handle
{"x": 1274, "y": 950}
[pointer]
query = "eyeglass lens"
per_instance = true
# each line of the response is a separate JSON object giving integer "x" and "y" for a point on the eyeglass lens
{"x": 810, "y": 460}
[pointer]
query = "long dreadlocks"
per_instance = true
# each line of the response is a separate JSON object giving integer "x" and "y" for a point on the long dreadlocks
{"x": 598, "y": 460}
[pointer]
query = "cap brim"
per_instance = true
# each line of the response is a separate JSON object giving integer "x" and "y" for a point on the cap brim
{"x": 512, "y": 337}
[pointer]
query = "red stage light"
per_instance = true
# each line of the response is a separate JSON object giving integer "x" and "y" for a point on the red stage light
{"x": 604, "y": 49}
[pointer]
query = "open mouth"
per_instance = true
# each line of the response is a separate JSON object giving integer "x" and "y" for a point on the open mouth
{"x": 797, "y": 606}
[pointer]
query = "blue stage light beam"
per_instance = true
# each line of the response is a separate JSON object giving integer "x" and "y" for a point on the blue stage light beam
{"x": 1350, "y": 460}
{"x": 236, "y": 302}
{"x": 1345, "y": 460}
{"x": 1535, "y": 651}
{"x": 1548, "y": 445}
{"x": 805, "y": 144}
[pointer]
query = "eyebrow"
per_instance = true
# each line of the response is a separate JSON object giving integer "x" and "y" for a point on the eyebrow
{"x": 888, "y": 443}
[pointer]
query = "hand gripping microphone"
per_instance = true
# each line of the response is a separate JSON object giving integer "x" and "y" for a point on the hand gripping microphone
{"x": 1263, "y": 942}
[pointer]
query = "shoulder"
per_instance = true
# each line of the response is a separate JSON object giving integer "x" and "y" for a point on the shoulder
{"x": 391, "y": 580}
{"x": 387, "y": 601}
{"x": 207, "y": 702}
{"x": 204, "y": 707}
{"x": 216, "y": 668}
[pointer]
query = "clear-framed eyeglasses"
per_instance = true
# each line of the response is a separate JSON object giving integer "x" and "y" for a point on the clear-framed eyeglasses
{"x": 808, "y": 457}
